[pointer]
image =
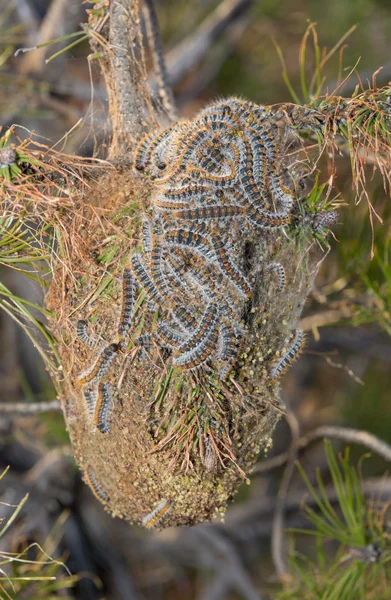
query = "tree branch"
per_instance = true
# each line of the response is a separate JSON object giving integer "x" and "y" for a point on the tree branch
{"x": 29, "y": 408}
{"x": 28, "y": 16}
{"x": 130, "y": 104}
{"x": 353, "y": 436}
{"x": 193, "y": 49}
{"x": 207, "y": 74}
{"x": 278, "y": 536}
{"x": 156, "y": 49}
{"x": 61, "y": 18}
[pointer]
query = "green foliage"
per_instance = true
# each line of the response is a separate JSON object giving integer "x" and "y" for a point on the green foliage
{"x": 31, "y": 572}
{"x": 377, "y": 279}
{"x": 368, "y": 274}
{"x": 360, "y": 566}
{"x": 11, "y": 168}
{"x": 80, "y": 36}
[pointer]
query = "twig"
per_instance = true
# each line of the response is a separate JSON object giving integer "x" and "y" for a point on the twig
{"x": 383, "y": 77}
{"x": 193, "y": 49}
{"x": 124, "y": 69}
{"x": 354, "y": 436}
{"x": 278, "y": 536}
{"x": 327, "y": 317}
{"x": 250, "y": 520}
{"x": 156, "y": 49}
{"x": 231, "y": 573}
{"x": 29, "y": 408}
{"x": 216, "y": 59}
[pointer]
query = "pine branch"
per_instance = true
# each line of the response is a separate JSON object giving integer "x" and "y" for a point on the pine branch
{"x": 29, "y": 408}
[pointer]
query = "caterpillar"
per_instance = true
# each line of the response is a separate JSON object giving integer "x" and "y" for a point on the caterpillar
{"x": 147, "y": 237}
{"x": 213, "y": 177}
{"x": 280, "y": 271}
{"x": 190, "y": 239}
{"x": 197, "y": 348}
{"x": 94, "y": 485}
{"x": 128, "y": 302}
{"x": 202, "y": 329}
{"x": 230, "y": 270}
{"x": 292, "y": 353}
{"x": 157, "y": 514}
{"x": 143, "y": 277}
{"x": 168, "y": 336}
{"x": 81, "y": 332}
{"x": 208, "y": 212}
{"x": 184, "y": 318}
{"x": 90, "y": 398}
{"x": 101, "y": 366}
{"x": 103, "y": 407}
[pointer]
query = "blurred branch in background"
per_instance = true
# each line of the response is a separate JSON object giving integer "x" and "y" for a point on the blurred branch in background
{"x": 189, "y": 53}
{"x": 62, "y": 18}
{"x": 194, "y": 86}
{"x": 27, "y": 15}
{"x": 29, "y": 408}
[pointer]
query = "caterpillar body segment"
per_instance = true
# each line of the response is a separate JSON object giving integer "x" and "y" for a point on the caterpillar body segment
{"x": 212, "y": 294}
{"x": 184, "y": 318}
{"x": 81, "y": 332}
{"x": 199, "y": 352}
{"x": 147, "y": 237}
{"x": 175, "y": 274}
{"x": 95, "y": 486}
{"x": 157, "y": 515}
{"x": 90, "y": 396}
{"x": 156, "y": 267}
{"x": 206, "y": 322}
{"x": 187, "y": 194}
{"x": 153, "y": 148}
{"x": 205, "y": 213}
{"x": 145, "y": 341}
{"x": 211, "y": 157}
{"x": 129, "y": 290}
{"x": 198, "y": 347}
{"x": 101, "y": 366}
{"x": 189, "y": 239}
{"x": 103, "y": 408}
{"x": 230, "y": 341}
{"x": 144, "y": 279}
{"x": 168, "y": 336}
{"x": 280, "y": 366}
{"x": 230, "y": 270}
{"x": 279, "y": 270}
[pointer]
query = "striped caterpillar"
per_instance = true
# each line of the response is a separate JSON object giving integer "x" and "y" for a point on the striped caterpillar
{"x": 223, "y": 168}
{"x": 280, "y": 366}
{"x": 128, "y": 302}
{"x": 280, "y": 272}
{"x": 217, "y": 174}
{"x": 103, "y": 407}
{"x": 81, "y": 331}
{"x": 157, "y": 514}
{"x": 101, "y": 366}
{"x": 220, "y": 169}
{"x": 94, "y": 485}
